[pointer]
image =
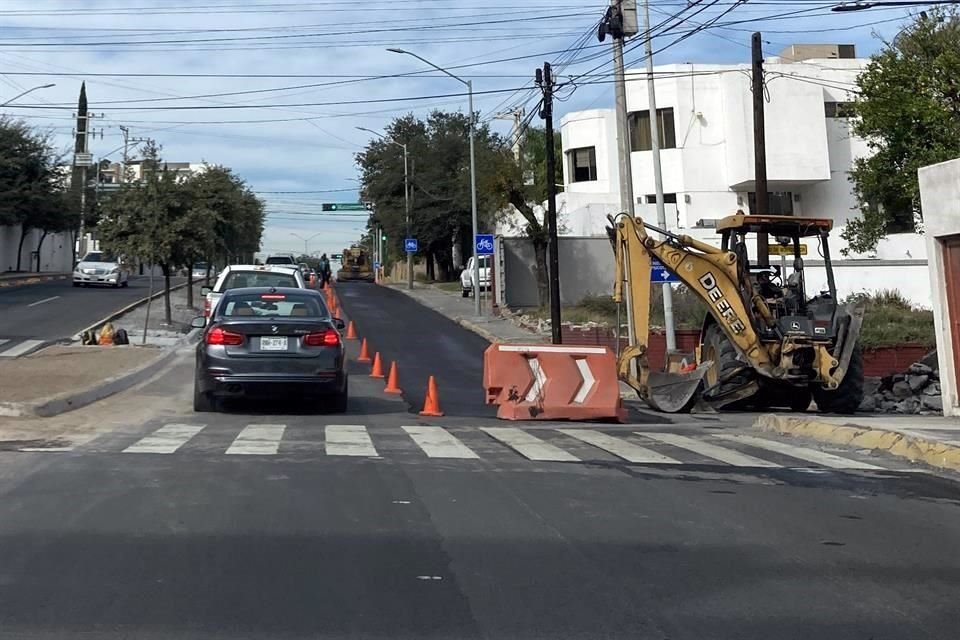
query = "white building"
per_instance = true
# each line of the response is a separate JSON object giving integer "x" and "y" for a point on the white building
{"x": 705, "y": 119}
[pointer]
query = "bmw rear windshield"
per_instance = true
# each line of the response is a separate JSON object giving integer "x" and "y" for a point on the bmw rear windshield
{"x": 244, "y": 279}
{"x": 273, "y": 305}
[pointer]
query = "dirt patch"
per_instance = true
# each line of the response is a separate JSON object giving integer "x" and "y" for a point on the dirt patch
{"x": 58, "y": 369}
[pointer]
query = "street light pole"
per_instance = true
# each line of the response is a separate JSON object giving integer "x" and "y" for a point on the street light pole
{"x": 23, "y": 93}
{"x": 306, "y": 241}
{"x": 473, "y": 174}
{"x": 406, "y": 195}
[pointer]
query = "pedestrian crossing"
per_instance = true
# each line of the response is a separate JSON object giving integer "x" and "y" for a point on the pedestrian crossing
{"x": 555, "y": 444}
{"x": 14, "y": 348}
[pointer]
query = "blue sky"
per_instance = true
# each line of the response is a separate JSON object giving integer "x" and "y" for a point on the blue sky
{"x": 295, "y": 144}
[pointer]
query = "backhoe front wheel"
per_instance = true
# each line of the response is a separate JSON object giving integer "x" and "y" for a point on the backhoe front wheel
{"x": 847, "y": 397}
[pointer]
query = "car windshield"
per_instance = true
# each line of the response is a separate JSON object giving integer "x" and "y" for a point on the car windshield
{"x": 279, "y": 260}
{"x": 274, "y": 305}
{"x": 244, "y": 279}
{"x": 200, "y": 266}
{"x": 99, "y": 256}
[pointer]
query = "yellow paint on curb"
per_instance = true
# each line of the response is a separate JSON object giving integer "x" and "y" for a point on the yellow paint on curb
{"x": 915, "y": 448}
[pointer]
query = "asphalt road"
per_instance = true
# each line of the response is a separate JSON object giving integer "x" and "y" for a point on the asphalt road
{"x": 55, "y": 309}
{"x": 384, "y": 538}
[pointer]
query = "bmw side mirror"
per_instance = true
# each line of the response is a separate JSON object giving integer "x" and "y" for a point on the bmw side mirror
{"x": 339, "y": 324}
{"x": 205, "y": 290}
{"x": 199, "y": 322}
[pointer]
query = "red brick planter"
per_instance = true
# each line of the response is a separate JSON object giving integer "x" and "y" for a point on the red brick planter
{"x": 876, "y": 362}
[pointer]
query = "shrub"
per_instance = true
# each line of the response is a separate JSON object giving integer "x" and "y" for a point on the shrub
{"x": 890, "y": 320}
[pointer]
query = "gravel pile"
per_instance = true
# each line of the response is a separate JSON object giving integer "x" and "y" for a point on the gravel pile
{"x": 915, "y": 391}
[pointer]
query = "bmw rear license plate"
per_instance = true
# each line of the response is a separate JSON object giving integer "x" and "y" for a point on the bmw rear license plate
{"x": 273, "y": 344}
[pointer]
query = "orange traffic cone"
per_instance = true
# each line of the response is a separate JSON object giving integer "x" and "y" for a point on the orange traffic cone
{"x": 392, "y": 383}
{"x": 431, "y": 404}
{"x": 351, "y": 331}
{"x": 364, "y": 354}
{"x": 377, "y": 371}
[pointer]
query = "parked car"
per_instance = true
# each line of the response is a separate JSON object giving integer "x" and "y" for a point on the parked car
{"x": 239, "y": 276}
{"x": 276, "y": 342}
{"x": 282, "y": 258}
{"x": 200, "y": 271}
{"x": 99, "y": 267}
{"x": 466, "y": 276}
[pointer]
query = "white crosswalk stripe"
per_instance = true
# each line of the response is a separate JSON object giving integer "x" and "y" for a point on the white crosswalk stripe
{"x": 801, "y": 453}
{"x": 166, "y": 439}
{"x": 20, "y": 349}
{"x": 709, "y": 450}
{"x": 258, "y": 440}
{"x": 619, "y": 447}
{"x": 437, "y": 442}
{"x": 349, "y": 440}
{"x": 529, "y": 445}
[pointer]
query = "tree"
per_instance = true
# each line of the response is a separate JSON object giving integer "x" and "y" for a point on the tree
{"x": 510, "y": 182}
{"x": 145, "y": 219}
{"x": 908, "y": 111}
{"x": 440, "y": 184}
{"x": 31, "y": 192}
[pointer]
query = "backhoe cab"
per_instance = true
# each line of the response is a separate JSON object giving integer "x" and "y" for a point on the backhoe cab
{"x": 764, "y": 342}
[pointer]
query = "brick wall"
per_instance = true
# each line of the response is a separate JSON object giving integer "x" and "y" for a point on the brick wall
{"x": 876, "y": 362}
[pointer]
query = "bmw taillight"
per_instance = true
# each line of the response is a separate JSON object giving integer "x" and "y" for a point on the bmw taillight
{"x": 217, "y": 336}
{"x": 328, "y": 338}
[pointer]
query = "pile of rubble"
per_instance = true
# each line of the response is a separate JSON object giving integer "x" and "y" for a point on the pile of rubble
{"x": 916, "y": 391}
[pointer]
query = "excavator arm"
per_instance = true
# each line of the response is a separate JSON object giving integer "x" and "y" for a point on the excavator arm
{"x": 709, "y": 272}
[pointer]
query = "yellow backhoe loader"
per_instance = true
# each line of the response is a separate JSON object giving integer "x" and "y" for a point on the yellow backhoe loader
{"x": 764, "y": 342}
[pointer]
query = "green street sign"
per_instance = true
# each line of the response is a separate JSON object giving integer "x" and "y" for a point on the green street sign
{"x": 346, "y": 206}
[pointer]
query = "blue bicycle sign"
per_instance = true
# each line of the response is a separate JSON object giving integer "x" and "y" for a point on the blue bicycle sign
{"x": 484, "y": 244}
{"x": 410, "y": 245}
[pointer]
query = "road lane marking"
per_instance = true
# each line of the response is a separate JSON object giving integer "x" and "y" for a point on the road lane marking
{"x": 349, "y": 440}
{"x": 722, "y": 454}
{"x": 51, "y": 299}
{"x": 20, "y": 349}
{"x": 529, "y": 446}
{"x": 437, "y": 442}
{"x": 801, "y": 453}
{"x": 619, "y": 447}
{"x": 258, "y": 440}
{"x": 166, "y": 439}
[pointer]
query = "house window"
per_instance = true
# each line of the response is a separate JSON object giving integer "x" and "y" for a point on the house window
{"x": 583, "y": 164}
{"x": 780, "y": 203}
{"x": 639, "y": 123}
{"x": 838, "y": 109}
{"x": 668, "y": 198}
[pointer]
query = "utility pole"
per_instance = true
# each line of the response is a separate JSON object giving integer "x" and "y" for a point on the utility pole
{"x": 544, "y": 79}
{"x": 406, "y": 206}
{"x": 516, "y": 131}
{"x": 761, "y": 201}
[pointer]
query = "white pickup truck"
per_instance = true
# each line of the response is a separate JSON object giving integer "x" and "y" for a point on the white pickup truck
{"x": 238, "y": 276}
{"x": 466, "y": 276}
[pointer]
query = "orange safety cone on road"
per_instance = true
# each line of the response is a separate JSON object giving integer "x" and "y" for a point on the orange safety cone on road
{"x": 364, "y": 354}
{"x": 431, "y": 404}
{"x": 351, "y": 331}
{"x": 377, "y": 371}
{"x": 392, "y": 382}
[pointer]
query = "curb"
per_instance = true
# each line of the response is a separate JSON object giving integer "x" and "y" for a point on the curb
{"x": 935, "y": 453}
{"x": 71, "y": 400}
{"x": 127, "y": 309}
{"x": 16, "y": 282}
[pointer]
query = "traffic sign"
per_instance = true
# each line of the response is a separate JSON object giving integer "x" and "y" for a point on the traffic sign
{"x": 780, "y": 250}
{"x": 410, "y": 245}
{"x": 346, "y": 206}
{"x": 376, "y": 265}
{"x": 659, "y": 273}
{"x": 484, "y": 244}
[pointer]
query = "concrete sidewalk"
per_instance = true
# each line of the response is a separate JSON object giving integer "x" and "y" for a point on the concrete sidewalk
{"x": 461, "y": 311}
{"x": 932, "y": 440}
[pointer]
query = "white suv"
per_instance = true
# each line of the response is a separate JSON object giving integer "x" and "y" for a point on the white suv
{"x": 466, "y": 276}
{"x": 238, "y": 276}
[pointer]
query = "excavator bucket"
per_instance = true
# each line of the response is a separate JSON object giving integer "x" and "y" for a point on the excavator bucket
{"x": 675, "y": 392}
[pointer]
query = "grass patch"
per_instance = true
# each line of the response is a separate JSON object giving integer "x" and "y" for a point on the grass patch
{"x": 890, "y": 320}
{"x": 688, "y": 310}
{"x": 448, "y": 286}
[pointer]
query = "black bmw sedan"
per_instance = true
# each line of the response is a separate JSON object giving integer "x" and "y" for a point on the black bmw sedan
{"x": 271, "y": 343}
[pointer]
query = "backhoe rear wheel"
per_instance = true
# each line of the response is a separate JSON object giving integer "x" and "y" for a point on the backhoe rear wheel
{"x": 718, "y": 349}
{"x": 847, "y": 397}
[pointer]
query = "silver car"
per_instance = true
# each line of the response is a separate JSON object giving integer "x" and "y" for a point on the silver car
{"x": 99, "y": 267}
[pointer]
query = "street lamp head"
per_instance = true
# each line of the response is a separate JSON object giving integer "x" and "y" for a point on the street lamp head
{"x": 47, "y": 86}
{"x": 395, "y": 50}
{"x": 856, "y": 6}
